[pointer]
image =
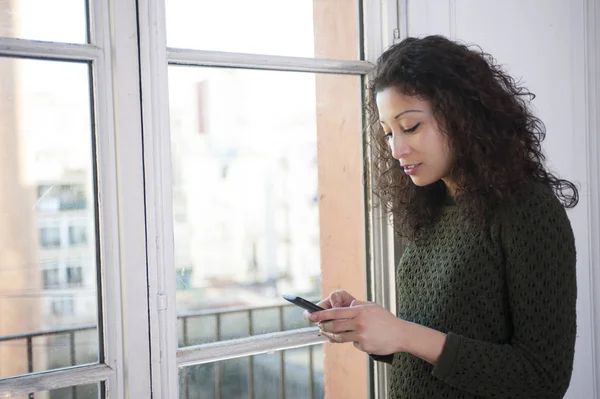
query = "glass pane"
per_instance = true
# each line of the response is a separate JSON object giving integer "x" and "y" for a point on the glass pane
{"x": 91, "y": 391}
{"x": 48, "y": 287}
{"x": 294, "y": 373}
{"x": 301, "y": 28}
{"x": 245, "y": 194}
{"x": 52, "y": 21}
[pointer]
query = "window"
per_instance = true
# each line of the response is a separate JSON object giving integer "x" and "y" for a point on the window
{"x": 72, "y": 197}
{"x": 74, "y": 275}
{"x": 51, "y": 278}
{"x": 195, "y": 202}
{"x": 251, "y": 196}
{"x": 77, "y": 235}
{"x": 52, "y": 157}
{"x": 63, "y": 307}
{"x": 50, "y": 237}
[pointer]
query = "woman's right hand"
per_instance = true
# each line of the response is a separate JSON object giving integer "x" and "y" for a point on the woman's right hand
{"x": 337, "y": 299}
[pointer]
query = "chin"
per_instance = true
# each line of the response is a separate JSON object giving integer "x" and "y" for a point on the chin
{"x": 421, "y": 182}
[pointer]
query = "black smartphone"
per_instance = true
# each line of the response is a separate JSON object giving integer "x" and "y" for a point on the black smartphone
{"x": 303, "y": 303}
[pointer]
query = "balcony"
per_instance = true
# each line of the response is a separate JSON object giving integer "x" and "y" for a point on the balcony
{"x": 294, "y": 373}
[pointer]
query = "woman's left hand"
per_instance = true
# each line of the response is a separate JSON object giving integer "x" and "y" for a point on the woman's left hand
{"x": 370, "y": 327}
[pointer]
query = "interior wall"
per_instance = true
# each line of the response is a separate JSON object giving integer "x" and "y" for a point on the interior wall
{"x": 549, "y": 45}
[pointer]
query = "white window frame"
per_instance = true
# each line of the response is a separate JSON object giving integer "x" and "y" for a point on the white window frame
{"x": 135, "y": 216}
{"x": 120, "y": 204}
{"x": 380, "y": 26}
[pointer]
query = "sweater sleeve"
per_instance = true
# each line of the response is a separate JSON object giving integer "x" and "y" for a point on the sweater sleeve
{"x": 540, "y": 279}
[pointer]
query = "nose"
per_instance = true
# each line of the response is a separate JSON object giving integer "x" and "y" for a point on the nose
{"x": 399, "y": 146}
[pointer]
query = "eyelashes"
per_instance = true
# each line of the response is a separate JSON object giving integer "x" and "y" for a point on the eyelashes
{"x": 409, "y": 130}
{"x": 412, "y": 129}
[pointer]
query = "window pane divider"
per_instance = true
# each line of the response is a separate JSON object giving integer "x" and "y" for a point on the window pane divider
{"x": 48, "y": 50}
{"x": 72, "y": 376}
{"x": 241, "y": 347}
{"x": 267, "y": 62}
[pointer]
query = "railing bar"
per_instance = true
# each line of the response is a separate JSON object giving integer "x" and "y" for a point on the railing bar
{"x": 281, "y": 355}
{"x": 185, "y": 332}
{"x": 311, "y": 368}
{"x": 251, "y": 358}
{"x": 41, "y": 333}
{"x": 86, "y": 327}
{"x": 186, "y": 382}
{"x": 29, "y": 355}
{"x": 30, "y": 361}
{"x": 238, "y": 309}
{"x": 72, "y": 355}
{"x": 217, "y": 364}
{"x": 186, "y": 374}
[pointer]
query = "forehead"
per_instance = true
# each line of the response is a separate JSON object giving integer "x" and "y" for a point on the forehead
{"x": 391, "y": 101}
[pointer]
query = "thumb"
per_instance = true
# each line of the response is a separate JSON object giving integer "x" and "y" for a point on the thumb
{"x": 336, "y": 300}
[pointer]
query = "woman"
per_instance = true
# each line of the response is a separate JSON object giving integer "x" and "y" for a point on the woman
{"x": 486, "y": 285}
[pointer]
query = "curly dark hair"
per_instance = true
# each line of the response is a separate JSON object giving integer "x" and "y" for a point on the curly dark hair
{"x": 493, "y": 135}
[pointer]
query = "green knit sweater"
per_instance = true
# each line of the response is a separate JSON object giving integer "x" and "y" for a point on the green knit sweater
{"x": 504, "y": 295}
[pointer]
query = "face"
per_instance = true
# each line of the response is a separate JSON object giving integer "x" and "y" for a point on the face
{"x": 414, "y": 137}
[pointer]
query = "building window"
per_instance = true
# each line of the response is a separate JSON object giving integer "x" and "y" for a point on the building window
{"x": 74, "y": 275}
{"x": 77, "y": 235}
{"x": 72, "y": 197}
{"x": 51, "y": 278}
{"x": 63, "y": 307}
{"x": 50, "y": 237}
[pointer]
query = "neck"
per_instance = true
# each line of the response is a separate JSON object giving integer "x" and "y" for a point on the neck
{"x": 450, "y": 187}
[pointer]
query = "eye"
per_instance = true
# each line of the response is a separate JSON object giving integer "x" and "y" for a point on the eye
{"x": 387, "y": 135}
{"x": 412, "y": 129}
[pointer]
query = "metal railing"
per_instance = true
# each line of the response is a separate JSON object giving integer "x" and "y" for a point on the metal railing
{"x": 250, "y": 314}
{"x": 184, "y": 319}
{"x": 29, "y": 336}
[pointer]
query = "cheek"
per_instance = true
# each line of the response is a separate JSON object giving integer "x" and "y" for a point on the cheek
{"x": 442, "y": 152}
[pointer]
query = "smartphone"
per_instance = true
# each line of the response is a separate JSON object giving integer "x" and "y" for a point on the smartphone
{"x": 303, "y": 303}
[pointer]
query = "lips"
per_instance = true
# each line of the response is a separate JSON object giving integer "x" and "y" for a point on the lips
{"x": 411, "y": 169}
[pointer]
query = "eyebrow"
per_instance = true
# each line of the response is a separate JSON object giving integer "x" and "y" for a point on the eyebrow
{"x": 402, "y": 113}
{"x": 407, "y": 111}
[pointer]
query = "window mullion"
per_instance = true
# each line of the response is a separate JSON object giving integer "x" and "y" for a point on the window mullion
{"x": 266, "y": 62}
{"x": 384, "y": 23}
{"x": 58, "y": 51}
{"x": 242, "y": 347}
{"x": 64, "y": 378}
{"x": 109, "y": 320}
{"x": 159, "y": 220}
{"x": 118, "y": 138}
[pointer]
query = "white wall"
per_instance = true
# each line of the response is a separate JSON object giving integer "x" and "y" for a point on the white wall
{"x": 548, "y": 44}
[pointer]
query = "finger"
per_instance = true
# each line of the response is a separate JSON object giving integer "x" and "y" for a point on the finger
{"x": 341, "y": 337}
{"x": 340, "y": 299}
{"x": 358, "y": 346}
{"x": 337, "y": 326}
{"x": 358, "y": 303}
{"x": 335, "y": 313}
{"x": 337, "y": 298}
{"x": 324, "y": 303}
{"x": 306, "y": 315}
